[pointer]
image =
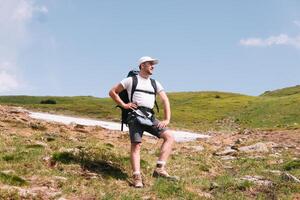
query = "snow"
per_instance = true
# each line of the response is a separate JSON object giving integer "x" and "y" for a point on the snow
{"x": 180, "y": 136}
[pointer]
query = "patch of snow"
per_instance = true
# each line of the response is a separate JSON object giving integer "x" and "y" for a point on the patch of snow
{"x": 180, "y": 136}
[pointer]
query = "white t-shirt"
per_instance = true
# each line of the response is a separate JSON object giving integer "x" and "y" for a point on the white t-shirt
{"x": 142, "y": 98}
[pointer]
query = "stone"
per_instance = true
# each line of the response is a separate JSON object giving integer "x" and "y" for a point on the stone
{"x": 259, "y": 180}
{"x": 213, "y": 185}
{"x": 227, "y": 151}
{"x": 228, "y": 158}
{"x": 277, "y": 172}
{"x": 290, "y": 177}
{"x": 258, "y": 147}
{"x": 197, "y": 148}
{"x": 238, "y": 141}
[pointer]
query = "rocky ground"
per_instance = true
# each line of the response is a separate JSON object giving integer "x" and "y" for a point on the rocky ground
{"x": 252, "y": 163}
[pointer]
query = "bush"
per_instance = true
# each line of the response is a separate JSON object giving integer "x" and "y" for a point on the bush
{"x": 295, "y": 164}
{"x": 48, "y": 101}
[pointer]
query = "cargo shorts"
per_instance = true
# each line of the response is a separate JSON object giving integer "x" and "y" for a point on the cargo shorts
{"x": 136, "y": 130}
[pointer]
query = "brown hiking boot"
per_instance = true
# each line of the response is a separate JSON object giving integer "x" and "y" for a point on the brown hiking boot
{"x": 137, "y": 181}
{"x": 161, "y": 172}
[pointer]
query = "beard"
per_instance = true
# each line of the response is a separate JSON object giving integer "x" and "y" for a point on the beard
{"x": 149, "y": 72}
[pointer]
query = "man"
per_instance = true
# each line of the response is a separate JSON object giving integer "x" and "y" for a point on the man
{"x": 143, "y": 98}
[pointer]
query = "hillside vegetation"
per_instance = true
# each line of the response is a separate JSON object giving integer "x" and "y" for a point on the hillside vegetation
{"x": 283, "y": 92}
{"x": 46, "y": 161}
{"x": 197, "y": 111}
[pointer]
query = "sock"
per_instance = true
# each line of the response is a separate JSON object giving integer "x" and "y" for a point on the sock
{"x": 136, "y": 173}
{"x": 160, "y": 163}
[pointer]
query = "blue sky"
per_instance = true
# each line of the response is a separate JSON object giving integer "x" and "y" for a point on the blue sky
{"x": 70, "y": 48}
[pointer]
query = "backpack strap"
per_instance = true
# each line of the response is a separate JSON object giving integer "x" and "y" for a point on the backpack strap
{"x": 133, "y": 88}
{"x": 153, "y": 83}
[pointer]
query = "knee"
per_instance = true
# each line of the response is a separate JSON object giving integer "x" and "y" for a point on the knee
{"x": 136, "y": 147}
{"x": 168, "y": 136}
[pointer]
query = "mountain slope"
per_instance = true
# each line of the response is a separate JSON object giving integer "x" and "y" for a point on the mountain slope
{"x": 283, "y": 92}
{"x": 196, "y": 111}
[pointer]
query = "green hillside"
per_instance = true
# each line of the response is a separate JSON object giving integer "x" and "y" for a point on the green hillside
{"x": 283, "y": 92}
{"x": 87, "y": 106}
{"x": 198, "y": 111}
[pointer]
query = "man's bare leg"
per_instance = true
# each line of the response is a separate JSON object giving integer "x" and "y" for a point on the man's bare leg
{"x": 135, "y": 163}
{"x": 166, "y": 149}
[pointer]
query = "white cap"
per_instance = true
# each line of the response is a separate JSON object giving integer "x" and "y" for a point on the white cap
{"x": 146, "y": 59}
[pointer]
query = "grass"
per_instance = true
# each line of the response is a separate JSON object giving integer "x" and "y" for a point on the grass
{"x": 100, "y": 168}
{"x": 166, "y": 189}
{"x": 202, "y": 111}
{"x": 95, "y": 167}
{"x": 12, "y": 179}
{"x": 283, "y": 92}
{"x": 294, "y": 164}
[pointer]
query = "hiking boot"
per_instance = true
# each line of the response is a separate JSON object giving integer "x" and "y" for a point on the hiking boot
{"x": 137, "y": 181}
{"x": 161, "y": 172}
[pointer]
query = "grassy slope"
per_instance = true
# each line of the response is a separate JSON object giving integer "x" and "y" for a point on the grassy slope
{"x": 283, "y": 92}
{"x": 96, "y": 165}
{"x": 196, "y": 111}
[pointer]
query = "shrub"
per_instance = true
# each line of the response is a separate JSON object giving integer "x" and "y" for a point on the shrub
{"x": 12, "y": 179}
{"x": 295, "y": 164}
{"x": 48, "y": 101}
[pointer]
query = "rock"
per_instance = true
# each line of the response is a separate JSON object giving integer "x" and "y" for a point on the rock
{"x": 205, "y": 195}
{"x": 238, "y": 141}
{"x": 41, "y": 143}
{"x": 2, "y": 124}
{"x": 285, "y": 175}
{"x": 258, "y": 147}
{"x": 37, "y": 126}
{"x": 9, "y": 171}
{"x": 228, "y": 158}
{"x": 80, "y": 128}
{"x": 18, "y": 110}
{"x": 49, "y": 161}
{"x": 33, "y": 192}
{"x": 290, "y": 146}
{"x": 213, "y": 185}
{"x": 277, "y": 172}
{"x": 256, "y": 157}
{"x": 276, "y": 155}
{"x": 290, "y": 177}
{"x": 245, "y": 132}
{"x": 74, "y": 151}
{"x": 259, "y": 180}
{"x": 227, "y": 167}
{"x": 60, "y": 178}
{"x": 147, "y": 198}
{"x": 197, "y": 148}
{"x": 227, "y": 151}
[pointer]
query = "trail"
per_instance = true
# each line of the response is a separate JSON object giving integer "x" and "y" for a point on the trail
{"x": 180, "y": 136}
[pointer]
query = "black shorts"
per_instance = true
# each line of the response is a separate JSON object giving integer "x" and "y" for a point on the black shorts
{"x": 136, "y": 130}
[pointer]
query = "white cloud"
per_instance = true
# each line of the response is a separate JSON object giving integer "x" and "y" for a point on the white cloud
{"x": 41, "y": 9}
{"x": 25, "y": 9}
{"x": 297, "y": 23}
{"x": 15, "y": 16}
{"x": 8, "y": 82}
{"x": 8, "y": 77}
{"x": 281, "y": 39}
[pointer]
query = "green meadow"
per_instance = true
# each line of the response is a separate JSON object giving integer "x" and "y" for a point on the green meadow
{"x": 74, "y": 162}
{"x": 196, "y": 111}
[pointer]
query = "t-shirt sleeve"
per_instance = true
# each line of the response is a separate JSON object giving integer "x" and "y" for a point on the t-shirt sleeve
{"x": 159, "y": 87}
{"x": 126, "y": 83}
